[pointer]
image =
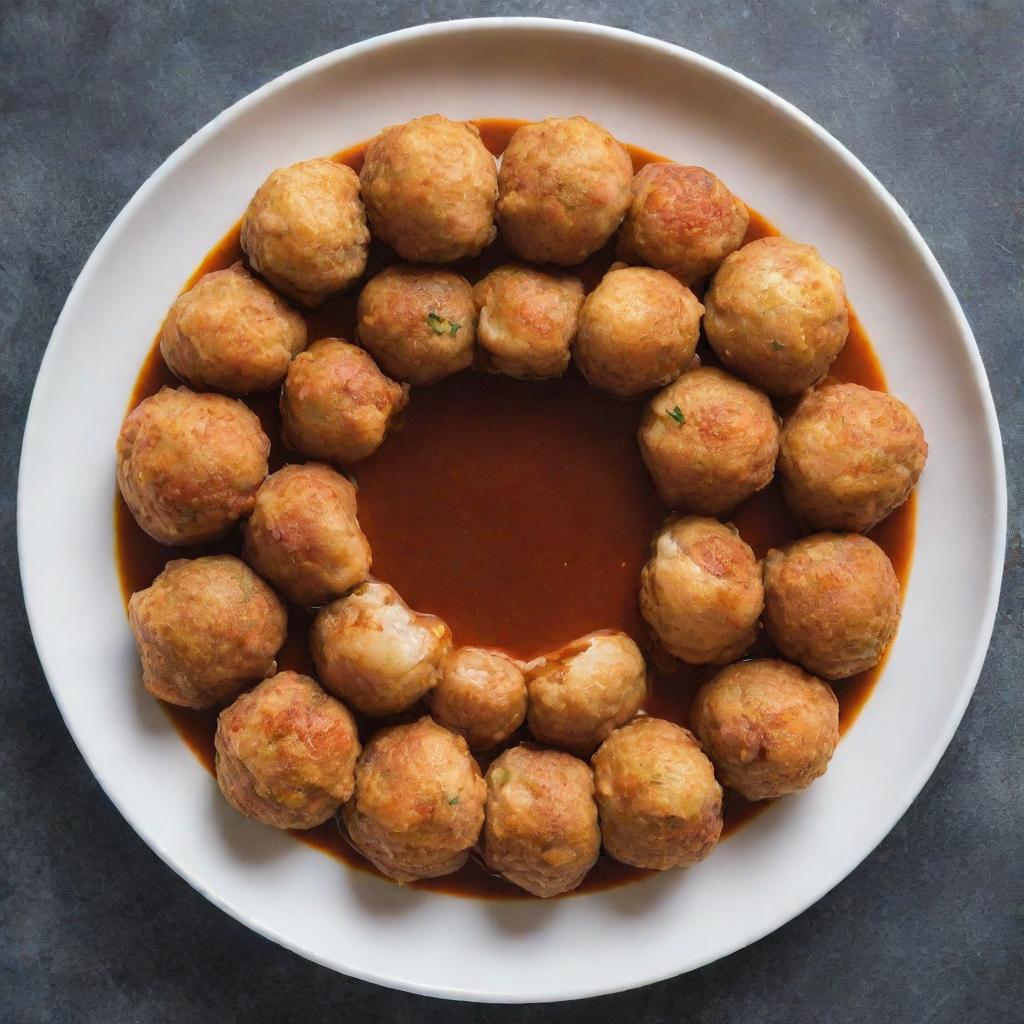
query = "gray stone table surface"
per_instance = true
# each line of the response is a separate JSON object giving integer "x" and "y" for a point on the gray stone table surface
{"x": 93, "y": 96}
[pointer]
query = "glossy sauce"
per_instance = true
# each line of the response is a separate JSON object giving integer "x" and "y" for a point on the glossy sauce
{"x": 519, "y": 512}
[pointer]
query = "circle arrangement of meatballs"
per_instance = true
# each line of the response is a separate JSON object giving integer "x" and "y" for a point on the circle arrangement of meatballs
{"x": 425, "y": 752}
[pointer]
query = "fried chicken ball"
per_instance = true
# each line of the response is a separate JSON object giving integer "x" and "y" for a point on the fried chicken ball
{"x": 286, "y": 752}
{"x": 528, "y": 320}
{"x": 430, "y": 186}
{"x": 776, "y": 314}
{"x": 638, "y": 331}
{"x": 375, "y": 653}
{"x": 419, "y": 801}
{"x": 769, "y": 727}
{"x": 305, "y": 230}
{"x": 336, "y": 405}
{"x": 419, "y": 323}
{"x": 709, "y": 441}
{"x": 701, "y": 591}
{"x": 831, "y": 603}
{"x": 849, "y": 456}
{"x": 303, "y": 535}
{"x": 188, "y": 465}
{"x": 206, "y": 628}
{"x": 659, "y": 804}
{"x": 563, "y": 189}
{"x": 541, "y": 830}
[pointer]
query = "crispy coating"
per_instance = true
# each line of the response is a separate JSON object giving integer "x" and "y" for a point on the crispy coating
{"x": 206, "y": 628}
{"x": 419, "y": 801}
{"x": 188, "y": 465}
{"x": 375, "y": 653}
{"x": 305, "y": 230}
{"x": 430, "y": 186}
{"x": 563, "y": 189}
{"x": 769, "y": 727}
{"x": 286, "y": 753}
{"x": 709, "y": 441}
{"x": 776, "y": 315}
{"x": 831, "y": 603}
{"x": 849, "y": 456}
{"x": 659, "y": 803}
{"x": 541, "y": 830}
{"x": 419, "y": 323}
{"x": 336, "y": 405}
{"x": 303, "y": 535}
{"x": 701, "y": 591}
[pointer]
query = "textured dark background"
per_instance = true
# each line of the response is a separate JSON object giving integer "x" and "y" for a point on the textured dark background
{"x": 93, "y": 96}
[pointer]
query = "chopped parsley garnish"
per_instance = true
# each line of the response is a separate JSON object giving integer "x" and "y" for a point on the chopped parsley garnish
{"x": 777, "y": 346}
{"x": 675, "y": 413}
{"x": 439, "y": 325}
{"x": 453, "y": 800}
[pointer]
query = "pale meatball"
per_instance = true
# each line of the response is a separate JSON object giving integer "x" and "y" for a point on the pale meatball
{"x": 681, "y": 219}
{"x": 541, "y": 830}
{"x": 659, "y": 804}
{"x": 418, "y": 804}
{"x": 206, "y": 628}
{"x": 188, "y": 465}
{"x": 231, "y": 332}
{"x": 286, "y": 753}
{"x": 701, "y": 591}
{"x": 305, "y": 230}
{"x": 768, "y": 726}
{"x": 430, "y": 186}
{"x": 831, "y": 603}
{"x": 563, "y": 189}
{"x": 776, "y": 315}
{"x": 849, "y": 456}
{"x": 579, "y": 694}
{"x": 374, "y": 652}
{"x": 709, "y": 441}
{"x": 528, "y": 321}
{"x": 638, "y": 331}
{"x": 336, "y": 405}
{"x": 481, "y": 695}
{"x": 303, "y": 535}
{"x": 419, "y": 323}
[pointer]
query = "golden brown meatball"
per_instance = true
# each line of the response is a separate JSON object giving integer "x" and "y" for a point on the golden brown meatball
{"x": 206, "y": 628}
{"x": 528, "y": 320}
{"x": 776, "y": 314}
{"x": 849, "y": 457}
{"x": 701, "y": 591}
{"x": 305, "y": 230}
{"x": 303, "y": 535}
{"x": 419, "y": 801}
{"x": 286, "y": 753}
{"x": 709, "y": 441}
{"x": 831, "y": 603}
{"x": 638, "y": 330}
{"x": 563, "y": 189}
{"x": 541, "y": 830}
{"x": 419, "y": 323}
{"x": 579, "y": 694}
{"x": 681, "y": 219}
{"x": 336, "y": 405}
{"x": 659, "y": 803}
{"x": 189, "y": 465}
{"x": 377, "y": 654}
{"x": 481, "y": 695}
{"x": 430, "y": 186}
{"x": 768, "y": 726}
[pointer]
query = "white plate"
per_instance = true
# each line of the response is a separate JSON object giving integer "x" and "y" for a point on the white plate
{"x": 678, "y": 104}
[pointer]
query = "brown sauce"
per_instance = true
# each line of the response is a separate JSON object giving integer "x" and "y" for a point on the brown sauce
{"x": 519, "y": 512}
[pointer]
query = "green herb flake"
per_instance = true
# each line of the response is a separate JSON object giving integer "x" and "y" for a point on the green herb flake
{"x": 675, "y": 413}
{"x": 501, "y": 776}
{"x": 777, "y": 346}
{"x": 440, "y": 325}
{"x": 453, "y": 800}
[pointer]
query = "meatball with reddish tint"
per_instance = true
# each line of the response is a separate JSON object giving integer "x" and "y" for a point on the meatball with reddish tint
{"x": 188, "y": 465}
{"x": 206, "y": 628}
{"x": 286, "y": 753}
{"x": 768, "y": 726}
{"x": 418, "y": 804}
